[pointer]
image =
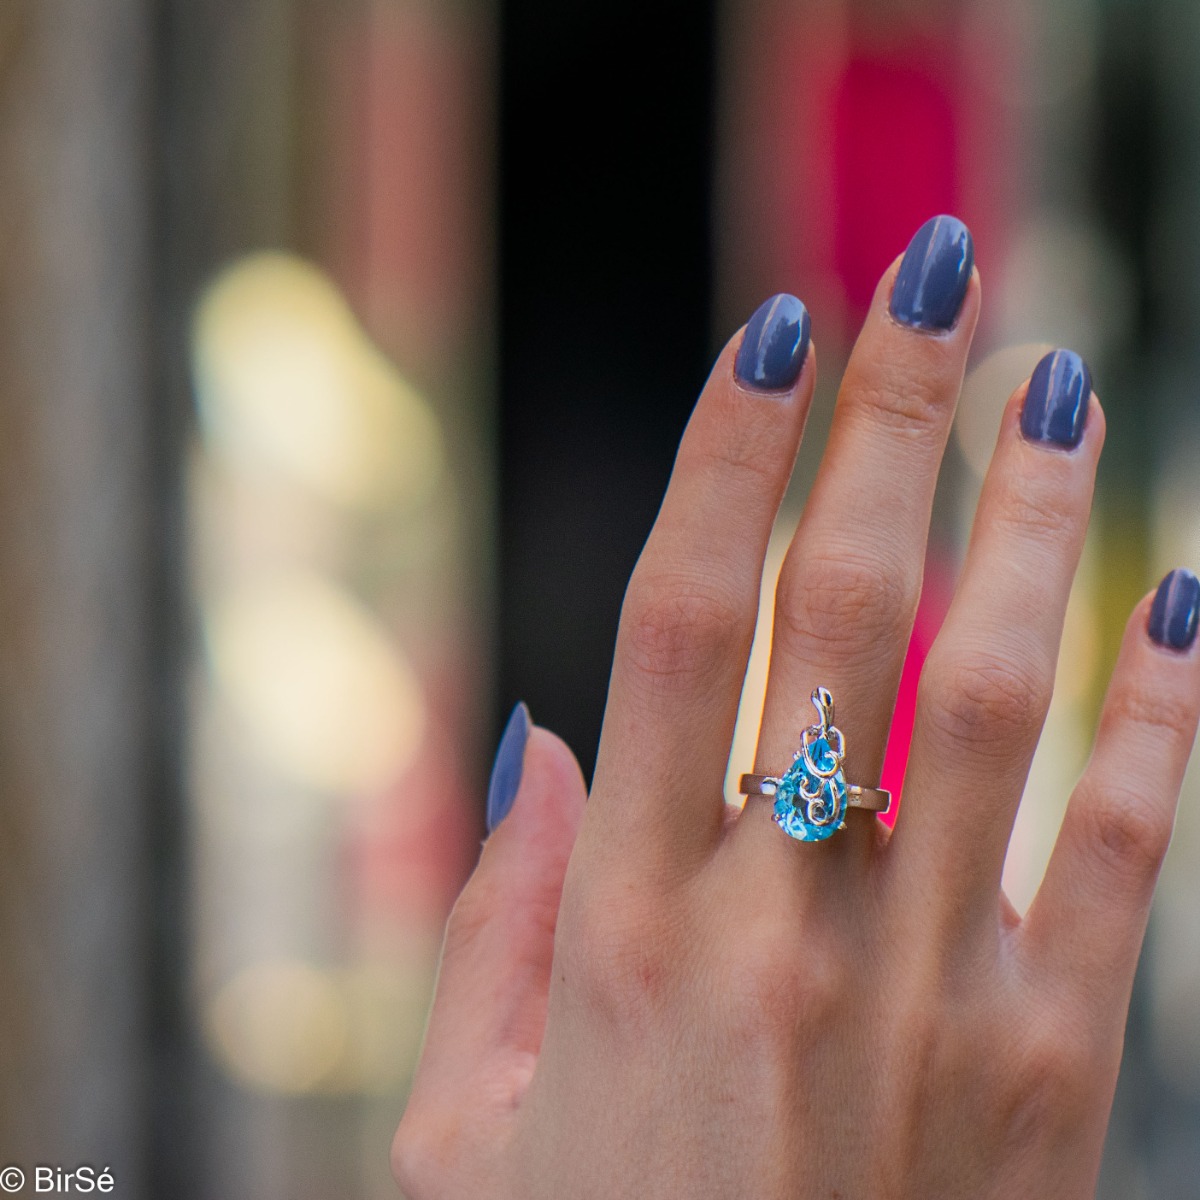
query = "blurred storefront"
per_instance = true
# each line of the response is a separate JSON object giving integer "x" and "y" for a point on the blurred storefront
{"x": 340, "y": 497}
{"x": 249, "y": 525}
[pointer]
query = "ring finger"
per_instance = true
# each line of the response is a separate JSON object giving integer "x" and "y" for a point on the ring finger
{"x": 986, "y": 685}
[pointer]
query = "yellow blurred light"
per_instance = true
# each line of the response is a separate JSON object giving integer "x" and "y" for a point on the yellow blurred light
{"x": 1079, "y": 651}
{"x": 985, "y": 392}
{"x": 279, "y": 1026}
{"x": 754, "y": 689}
{"x": 320, "y": 686}
{"x": 1064, "y": 745}
{"x": 387, "y": 1010}
{"x": 284, "y": 1026}
{"x": 290, "y": 384}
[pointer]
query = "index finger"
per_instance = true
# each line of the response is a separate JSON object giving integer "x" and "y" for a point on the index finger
{"x": 689, "y": 612}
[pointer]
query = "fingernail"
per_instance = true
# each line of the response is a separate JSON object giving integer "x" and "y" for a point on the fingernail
{"x": 1175, "y": 613}
{"x": 774, "y": 345}
{"x": 506, "y": 770}
{"x": 934, "y": 274}
{"x": 1056, "y": 403}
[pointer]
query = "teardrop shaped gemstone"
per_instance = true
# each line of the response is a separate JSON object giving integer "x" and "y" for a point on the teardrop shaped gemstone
{"x": 791, "y": 808}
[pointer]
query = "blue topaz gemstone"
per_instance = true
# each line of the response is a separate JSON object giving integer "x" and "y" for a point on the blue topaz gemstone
{"x": 791, "y": 808}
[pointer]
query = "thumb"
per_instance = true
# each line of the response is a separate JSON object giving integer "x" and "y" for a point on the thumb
{"x": 489, "y": 1009}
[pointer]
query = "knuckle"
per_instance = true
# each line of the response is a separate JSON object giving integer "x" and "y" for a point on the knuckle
{"x": 1055, "y": 1078}
{"x": 746, "y": 453}
{"x": 1032, "y": 510}
{"x": 677, "y": 627}
{"x": 619, "y": 953}
{"x": 777, "y": 991}
{"x": 925, "y": 1049}
{"x": 1153, "y": 716}
{"x": 1041, "y": 522}
{"x": 835, "y": 600}
{"x": 917, "y": 1041}
{"x": 906, "y": 398}
{"x": 1131, "y": 833}
{"x": 984, "y": 701}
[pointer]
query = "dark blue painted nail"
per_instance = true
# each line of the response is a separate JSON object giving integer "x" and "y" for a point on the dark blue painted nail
{"x": 506, "y": 770}
{"x": 934, "y": 274}
{"x": 1056, "y": 404}
{"x": 774, "y": 345}
{"x": 1175, "y": 613}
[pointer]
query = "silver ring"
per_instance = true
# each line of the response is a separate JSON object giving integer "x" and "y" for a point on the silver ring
{"x": 812, "y": 795}
{"x": 877, "y": 800}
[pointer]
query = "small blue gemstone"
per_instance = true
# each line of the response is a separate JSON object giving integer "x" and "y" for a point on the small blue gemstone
{"x": 791, "y": 809}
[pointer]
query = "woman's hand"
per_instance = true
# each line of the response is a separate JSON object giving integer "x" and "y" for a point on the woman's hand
{"x": 653, "y": 996}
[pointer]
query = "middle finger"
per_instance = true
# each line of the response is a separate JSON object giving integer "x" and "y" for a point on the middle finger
{"x": 850, "y": 583}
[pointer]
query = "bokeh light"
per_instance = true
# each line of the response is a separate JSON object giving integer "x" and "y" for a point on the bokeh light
{"x": 318, "y": 681}
{"x": 288, "y": 382}
{"x": 280, "y": 1026}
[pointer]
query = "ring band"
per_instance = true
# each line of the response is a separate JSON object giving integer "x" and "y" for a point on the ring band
{"x": 870, "y": 799}
{"x": 812, "y": 795}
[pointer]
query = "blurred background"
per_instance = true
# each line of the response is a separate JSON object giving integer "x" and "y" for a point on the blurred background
{"x": 344, "y": 349}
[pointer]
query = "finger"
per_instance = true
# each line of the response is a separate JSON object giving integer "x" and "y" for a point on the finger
{"x": 489, "y": 1010}
{"x": 689, "y": 612}
{"x": 849, "y": 586}
{"x": 1086, "y": 923}
{"x": 986, "y": 684}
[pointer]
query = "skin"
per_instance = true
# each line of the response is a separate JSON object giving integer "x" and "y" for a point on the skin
{"x": 644, "y": 994}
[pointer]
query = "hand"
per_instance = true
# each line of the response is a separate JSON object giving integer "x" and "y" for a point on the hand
{"x": 655, "y": 996}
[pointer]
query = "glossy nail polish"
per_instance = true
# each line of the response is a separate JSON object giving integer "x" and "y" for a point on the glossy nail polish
{"x": 1175, "y": 613}
{"x": 506, "y": 770}
{"x": 1056, "y": 404}
{"x": 934, "y": 274}
{"x": 774, "y": 345}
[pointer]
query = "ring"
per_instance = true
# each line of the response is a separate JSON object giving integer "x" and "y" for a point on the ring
{"x": 812, "y": 795}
